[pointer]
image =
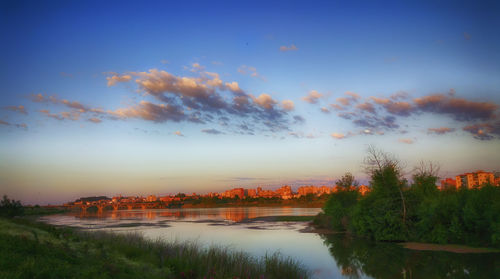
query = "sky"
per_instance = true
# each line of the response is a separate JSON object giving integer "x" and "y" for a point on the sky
{"x": 160, "y": 97}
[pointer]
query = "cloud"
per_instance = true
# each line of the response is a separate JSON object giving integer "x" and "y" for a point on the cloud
{"x": 64, "y": 74}
{"x": 484, "y": 131}
{"x": 337, "y": 107}
{"x": 51, "y": 115}
{"x": 212, "y": 131}
{"x": 312, "y": 97}
{"x": 440, "y": 131}
{"x": 19, "y": 109}
{"x": 351, "y": 98}
{"x": 353, "y": 95}
{"x": 95, "y": 120}
{"x": 178, "y": 133}
{"x": 202, "y": 94}
{"x": 152, "y": 112}
{"x": 376, "y": 122}
{"x": 400, "y": 95}
{"x": 287, "y": 105}
{"x": 234, "y": 87}
{"x": 325, "y": 110}
{"x": 297, "y": 119}
{"x": 74, "y": 105}
{"x": 4, "y": 123}
{"x": 337, "y": 136}
{"x": 196, "y": 67}
{"x": 289, "y": 48}
{"x": 112, "y": 80}
{"x": 460, "y": 109}
{"x": 397, "y": 108}
{"x": 201, "y": 98}
{"x": 347, "y": 115}
{"x": 249, "y": 70}
{"x": 380, "y": 101}
{"x": 264, "y": 100}
{"x": 40, "y": 98}
{"x": 368, "y": 107}
{"x": 406, "y": 141}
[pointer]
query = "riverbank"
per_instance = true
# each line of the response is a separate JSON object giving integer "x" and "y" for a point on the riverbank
{"x": 39, "y": 250}
{"x": 454, "y": 248}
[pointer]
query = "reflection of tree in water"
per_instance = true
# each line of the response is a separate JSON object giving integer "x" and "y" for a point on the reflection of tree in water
{"x": 359, "y": 257}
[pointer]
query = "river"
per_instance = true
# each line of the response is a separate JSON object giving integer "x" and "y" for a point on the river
{"x": 326, "y": 256}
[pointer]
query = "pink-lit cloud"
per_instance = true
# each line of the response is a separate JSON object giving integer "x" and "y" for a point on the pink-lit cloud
{"x": 312, "y": 97}
{"x": 289, "y": 48}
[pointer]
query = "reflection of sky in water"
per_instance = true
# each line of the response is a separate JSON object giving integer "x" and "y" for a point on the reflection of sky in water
{"x": 218, "y": 226}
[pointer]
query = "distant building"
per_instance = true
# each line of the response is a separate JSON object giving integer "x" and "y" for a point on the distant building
{"x": 474, "y": 179}
{"x": 285, "y": 192}
{"x": 363, "y": 189}
{"x": 252, "y": 193}
{"x": 448, "y": 183}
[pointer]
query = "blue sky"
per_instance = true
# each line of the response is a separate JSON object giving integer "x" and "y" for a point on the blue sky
{"x": 139, "y": 97}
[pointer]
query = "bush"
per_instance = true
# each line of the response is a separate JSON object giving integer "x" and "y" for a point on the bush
{"x": 10, "y": 208}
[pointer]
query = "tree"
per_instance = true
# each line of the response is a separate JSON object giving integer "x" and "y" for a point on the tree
{"x": 425, "y": 177}
{"x": 339, "y": 205}
{"x": 10, "y": 208}
{"x": 381, "y": 214}
{"x": 346, "y": 181}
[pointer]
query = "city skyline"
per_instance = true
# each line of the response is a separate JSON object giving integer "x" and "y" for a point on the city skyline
{"x": 118, "y": 97}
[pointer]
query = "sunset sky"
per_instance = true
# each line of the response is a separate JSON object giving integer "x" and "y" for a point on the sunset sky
{"x": 143, "y": 97}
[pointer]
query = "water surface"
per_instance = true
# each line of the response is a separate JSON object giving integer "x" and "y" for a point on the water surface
{"x": 327, "y": 256}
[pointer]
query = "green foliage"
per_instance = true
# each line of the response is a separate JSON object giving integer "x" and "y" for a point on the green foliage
{"x": 381, "y": 213}
{"x": 10, "y": 208}
{"x": 339, "y": 207}
{"x": 392, "y": 211}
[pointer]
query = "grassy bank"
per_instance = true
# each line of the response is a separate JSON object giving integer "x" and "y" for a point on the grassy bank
{"x": 38, "y": 250}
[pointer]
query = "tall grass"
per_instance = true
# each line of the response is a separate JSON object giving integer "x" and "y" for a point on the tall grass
{"x": 46, "y": 251}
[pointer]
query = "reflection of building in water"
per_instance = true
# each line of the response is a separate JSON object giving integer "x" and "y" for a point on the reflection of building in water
{"x": 234, "y": 215}
{"x": 150, "y": 214}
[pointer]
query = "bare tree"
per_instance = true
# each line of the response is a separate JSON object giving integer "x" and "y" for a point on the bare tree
{"x": 427, "y": 169}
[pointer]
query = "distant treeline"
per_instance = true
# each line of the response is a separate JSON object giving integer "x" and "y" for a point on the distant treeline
{"x": 396, "y": 210}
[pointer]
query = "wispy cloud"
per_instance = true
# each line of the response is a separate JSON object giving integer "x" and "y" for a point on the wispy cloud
{"x": 19, "y": 109}
{"x": 337, "y": 135}
{"x": 440, "y": 130}
{"x": 292, "y": 47}
{"x": 251, "y": 71}
{"x": 406, "y": 141}
{"x": 212, "y": 131}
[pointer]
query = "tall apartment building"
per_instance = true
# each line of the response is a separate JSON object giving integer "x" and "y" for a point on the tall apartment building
{"x": 473, "y": 179}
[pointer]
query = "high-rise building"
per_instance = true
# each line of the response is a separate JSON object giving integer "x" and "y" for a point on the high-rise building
{"x": 474, "y": 179}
